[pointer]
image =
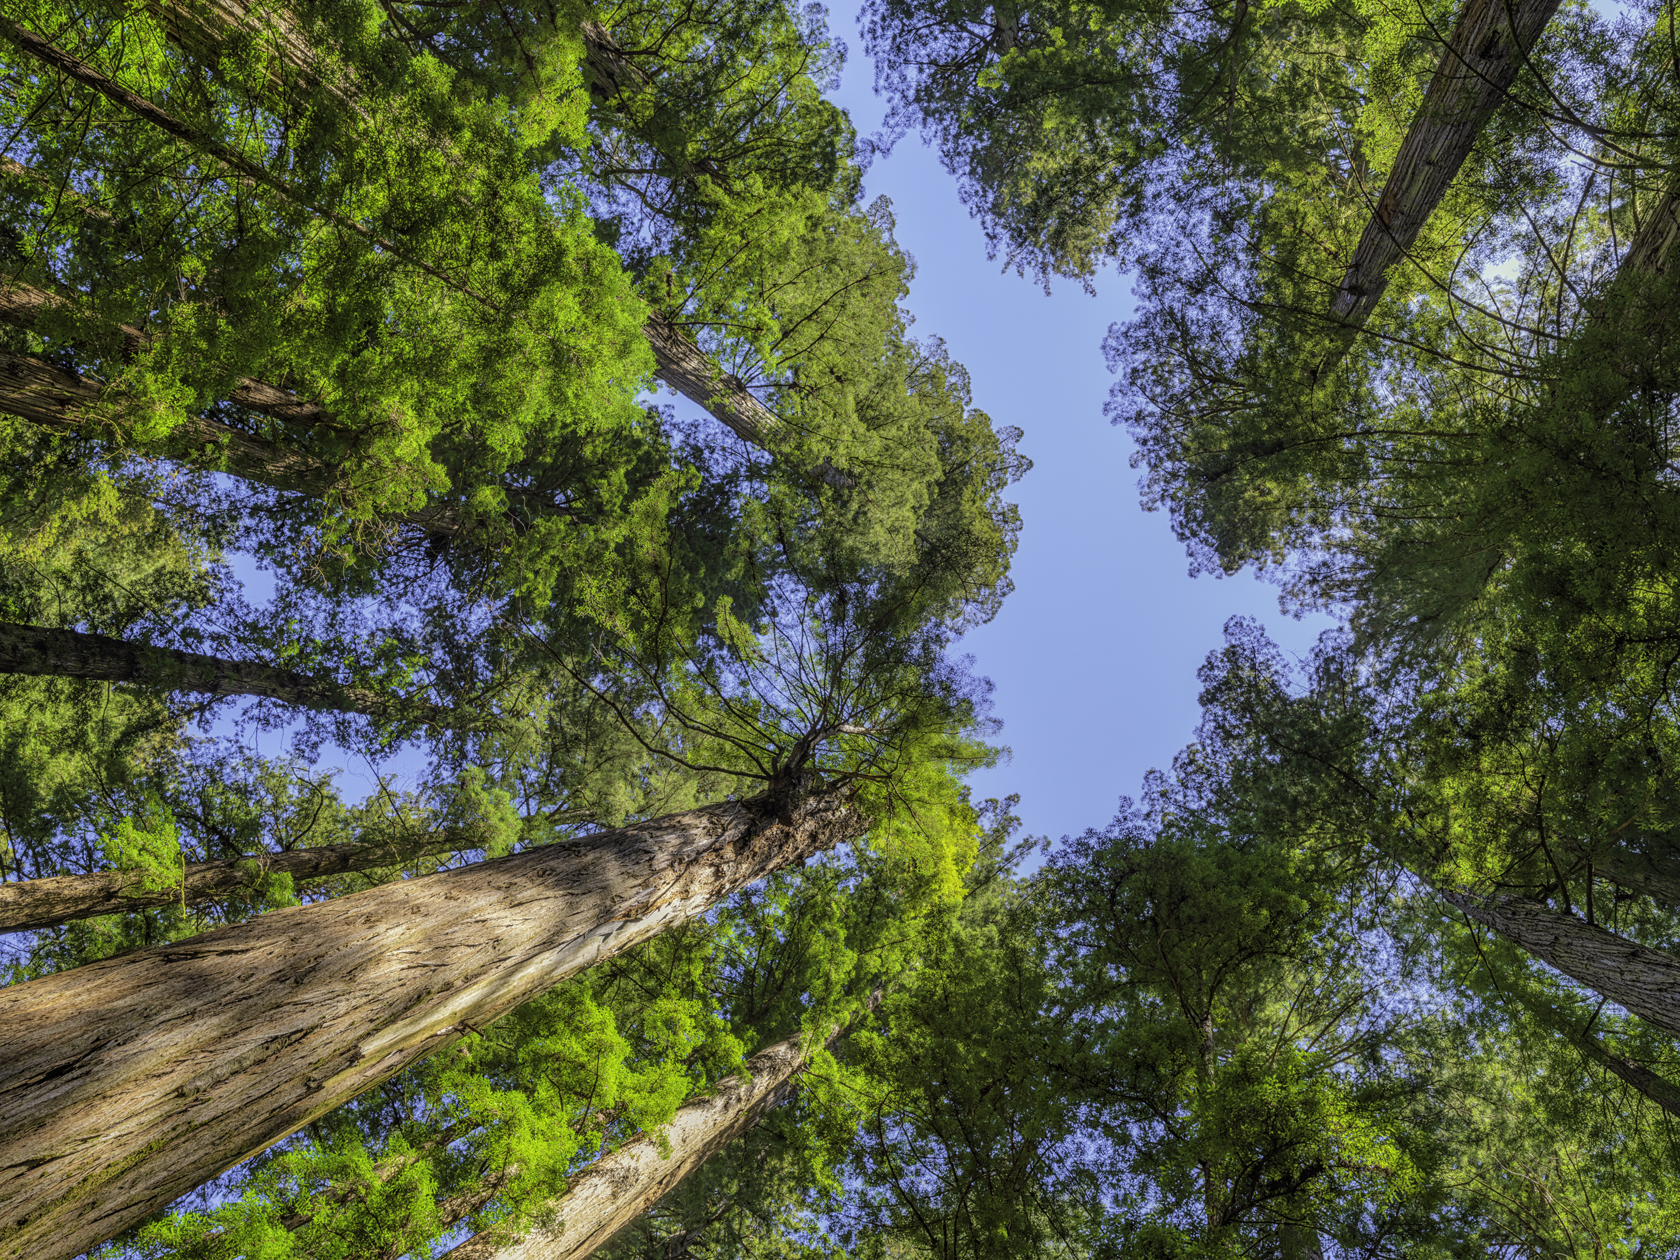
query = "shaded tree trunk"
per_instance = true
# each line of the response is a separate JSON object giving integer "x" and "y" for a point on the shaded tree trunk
{"x": 127, "y": 1082}
{"x": 1638, "y": 872}
{"x": 1640, "y": 979}
{"x": 203, "y": 27}
{"x": 616, "y": 1189}
{"x": 1635, "y": 1075}
{"x": 58, "y": 399}
{"x": 22, "y": 305}
{"x": 40, "y": 651}
{"x": 43, "y": 903}
{"x": 1488, "y": 46}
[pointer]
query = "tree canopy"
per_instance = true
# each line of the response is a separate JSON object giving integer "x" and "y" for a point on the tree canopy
{"x": 330, "y": 339}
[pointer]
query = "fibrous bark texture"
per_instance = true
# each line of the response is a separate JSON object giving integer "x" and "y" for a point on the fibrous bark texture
{"x": 125, "y": 1083}
{"x": 42, "y": 903}
{"x": 1489, "y": 45}
{"x": 1636, "y": 977}
{"x": 38, "y": 650}
{"x": 616, "y": 1189}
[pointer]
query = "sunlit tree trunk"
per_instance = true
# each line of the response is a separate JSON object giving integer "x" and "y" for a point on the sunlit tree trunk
{"x": 1640, "y": 979}
{"x": 609, "y": 1194}
{"x": 1488, "y": 46}
{"x": 127, "y": 1082}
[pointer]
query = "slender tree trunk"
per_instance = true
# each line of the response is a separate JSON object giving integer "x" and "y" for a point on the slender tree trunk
{"x": 42, "y": 903}
{"x": 125, "y": 1083}
{"x": 1636, "y": 977}
{"x": 39, "y": 651}
{"x": 61, "y": 400}
{"x": 1639, "y": 872}
{"x": 1488, "y": 47}
{"x": 616, "y": 1189}
{"x": 1637, "y": 1076}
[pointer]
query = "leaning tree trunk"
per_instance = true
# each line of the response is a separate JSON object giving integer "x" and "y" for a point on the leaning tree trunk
{"x": 42, "y": 652}
{"x": 1657, "y": 878}
{"x": 616, "y": 1189}
{"x": 60, "y": 400}
{"x": 202, "y": 28}
{"x": 1640, "y": 979}
{"x": 127, "y": 1082}
{"x": 26, "y": 905}
{"x": 1631, "y": 1073}
{"x": 1489, "y": 45}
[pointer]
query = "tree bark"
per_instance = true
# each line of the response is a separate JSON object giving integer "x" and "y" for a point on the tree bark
{"x": 22, "y": 305}
{"x": 60, "y": 400}
{"x": 27, "y": 905}
{"x": 616, "y": 1189}
{"x": 39, "y": 651}
{"x": 1638, "y": 872}
{"x": 1488, "y": 47}
{"x": 129, "y": 1081}
{"x": 1640, "y": 979}
{"x": 1648, "y": 253}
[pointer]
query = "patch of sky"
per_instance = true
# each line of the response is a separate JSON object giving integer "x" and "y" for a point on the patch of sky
{"x": 1094, "y": 655}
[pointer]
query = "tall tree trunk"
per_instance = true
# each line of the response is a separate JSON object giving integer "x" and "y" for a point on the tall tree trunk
{"x": 231, "y": 160}
{"x": 616, "y": 1189}
{"x": 129, "y": 1081}
{"x": 26, "y": 905}
{"x": 1488, "y": 47}
{"x": 1657, "y": 878}
{"x": 22, "y": 305}
{"x": 39, "y": 651}
{"x": 1636, "y": 977}
{"x": 61, "y": 400}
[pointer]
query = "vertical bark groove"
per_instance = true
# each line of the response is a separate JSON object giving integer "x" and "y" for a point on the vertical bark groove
{"x": 213, "y": 1048}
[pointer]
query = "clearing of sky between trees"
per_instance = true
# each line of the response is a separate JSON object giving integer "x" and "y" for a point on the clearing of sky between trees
{"x": 690, "y": 941}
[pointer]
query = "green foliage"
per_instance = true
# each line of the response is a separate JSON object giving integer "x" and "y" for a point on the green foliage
{"x": 148, "y": 847}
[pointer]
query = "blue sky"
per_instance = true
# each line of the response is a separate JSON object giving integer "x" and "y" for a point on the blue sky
{"x": 1094, "y": 656}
